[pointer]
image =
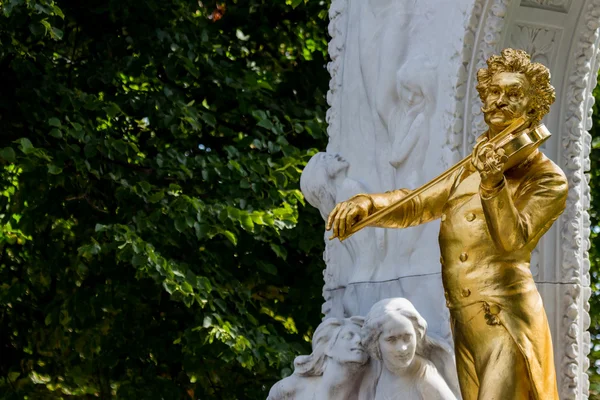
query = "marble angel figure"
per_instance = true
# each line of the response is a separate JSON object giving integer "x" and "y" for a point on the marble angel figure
{"x": 410, "y": 126}
{"x": 324, "y": 183}
{"x": 416, "y": 85}
{"x": 406, "y": 363}
{"x": 334, "y": 369}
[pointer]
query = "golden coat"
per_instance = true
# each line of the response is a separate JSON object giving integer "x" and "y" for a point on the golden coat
{"x": 486, "y": 239}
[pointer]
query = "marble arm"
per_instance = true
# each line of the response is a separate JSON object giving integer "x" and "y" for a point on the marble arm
{"x": 537, "y": 204}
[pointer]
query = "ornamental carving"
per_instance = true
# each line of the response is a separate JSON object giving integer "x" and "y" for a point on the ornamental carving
{"x": 554, "y": 5}
{"x": 539, "y": 42}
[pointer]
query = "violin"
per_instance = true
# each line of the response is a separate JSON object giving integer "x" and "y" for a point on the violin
{"x": 517, "y": 145}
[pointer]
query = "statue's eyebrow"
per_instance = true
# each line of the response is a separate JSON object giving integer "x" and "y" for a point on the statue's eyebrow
{"x": 515, "y": 85}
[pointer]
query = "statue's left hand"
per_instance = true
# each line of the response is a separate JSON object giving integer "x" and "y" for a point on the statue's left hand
{"x": 489, "y": 161}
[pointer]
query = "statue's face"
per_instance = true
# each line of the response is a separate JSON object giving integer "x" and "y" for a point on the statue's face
{"x": 398, "y": 343}
{"x": 348, "y": 347}
{"x": 506, "y": 100}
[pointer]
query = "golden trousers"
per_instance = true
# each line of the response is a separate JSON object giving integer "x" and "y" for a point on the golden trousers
{"x": 490, "y": 366}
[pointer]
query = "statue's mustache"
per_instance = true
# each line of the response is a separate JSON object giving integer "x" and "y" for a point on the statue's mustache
{"x": 506, "y": 110}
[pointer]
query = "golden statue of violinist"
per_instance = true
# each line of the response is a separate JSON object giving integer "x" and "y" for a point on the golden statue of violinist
{"x": 494, "y": 207}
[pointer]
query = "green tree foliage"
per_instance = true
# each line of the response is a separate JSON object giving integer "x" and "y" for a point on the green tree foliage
{"x": 594, "y": 176}
{"x": 150, "y": 155}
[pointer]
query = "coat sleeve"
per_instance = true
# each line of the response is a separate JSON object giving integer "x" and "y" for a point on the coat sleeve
{"x": 537, "y": 203}
{"x": 423, "y": 208}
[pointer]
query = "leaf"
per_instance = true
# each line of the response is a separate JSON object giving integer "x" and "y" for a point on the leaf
{"x": 187, "y": 288}
{"x": 46, "y": 25}
{"x": 231, "y": 237}
{"x": 145, "y": 186}
{"x": 13, "y": 376}
{"x": 257, "y": 218}
{"x": 90, "y": 150}
{"x": 139, "y": 260}
{"x": 280, "y": 251}
{"x": 25, "y": 145}
{"x": 37, "y": 29}
{"x": 266, "y": 123}
{"x": 268, "y": 268}
{"x": 265, "y": 85}
{"x": 54, "y": 170}
{"x": 57, "y": 33}
{"x": 247, "y": 222}
{"x": 156, "y": 196}
{"x": 170, "y": 287}
{"x": 8, "y": 154}
{"x": 54, "y": 122}
{"x": 209, "y": 119}
{"x": 240, "y": 35}
{"x": 88, "y": 250}
{"x": 180, "y": 225}
{"x": 58, "y": 11}
{"x": 112, "y": 110}
{"x": 56, "y": 133}
{"x": 120, "y": 146}
{"x": 201, "y": 230}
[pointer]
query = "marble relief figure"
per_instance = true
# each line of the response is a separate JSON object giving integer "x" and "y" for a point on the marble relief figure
{"x": 410, "y": 129}
{"x": 389, "y": 104}
{"x": 334, "y": 369}
{"x": 407, "y": 364}
{"x": 324, "y": 183}
{"x": 416, "y": 86}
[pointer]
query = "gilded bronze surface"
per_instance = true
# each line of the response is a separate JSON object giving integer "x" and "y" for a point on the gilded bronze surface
{"x": 493, "y": 211}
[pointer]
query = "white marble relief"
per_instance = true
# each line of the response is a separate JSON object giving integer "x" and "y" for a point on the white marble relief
{"x": 387, "y": 356}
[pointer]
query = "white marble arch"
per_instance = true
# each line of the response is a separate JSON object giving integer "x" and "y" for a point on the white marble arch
{"x": 461, "y": 35}
{"x": 563, "y": 35}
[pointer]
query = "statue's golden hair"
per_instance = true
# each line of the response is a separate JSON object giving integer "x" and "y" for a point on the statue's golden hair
{"x": 542, "y": 93}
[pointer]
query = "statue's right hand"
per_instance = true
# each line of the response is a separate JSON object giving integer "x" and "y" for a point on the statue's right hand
{"x": 348, "y": 213}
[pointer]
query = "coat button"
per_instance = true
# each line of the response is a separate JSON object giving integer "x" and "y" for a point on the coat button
{"x": 466, "y": 292}
{"x": 443, "y": 217}
{"x": 464, "y": 257}
{"x": 470, "y": 217}
{"x": 494, "y": 309}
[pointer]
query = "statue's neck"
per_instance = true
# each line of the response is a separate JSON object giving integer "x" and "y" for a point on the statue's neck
{"x": 414, "y": 369}
{"x": 339, "y": 381}
{"x": 403, "y": 383}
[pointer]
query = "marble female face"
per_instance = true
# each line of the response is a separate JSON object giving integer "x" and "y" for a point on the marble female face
{"x": 398, "y": 342}
{"x": 348, "y": 347}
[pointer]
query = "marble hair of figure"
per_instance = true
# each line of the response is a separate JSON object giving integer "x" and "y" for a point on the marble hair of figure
{"x": 334, "y": 369}
{"x": 409, "y": 364}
